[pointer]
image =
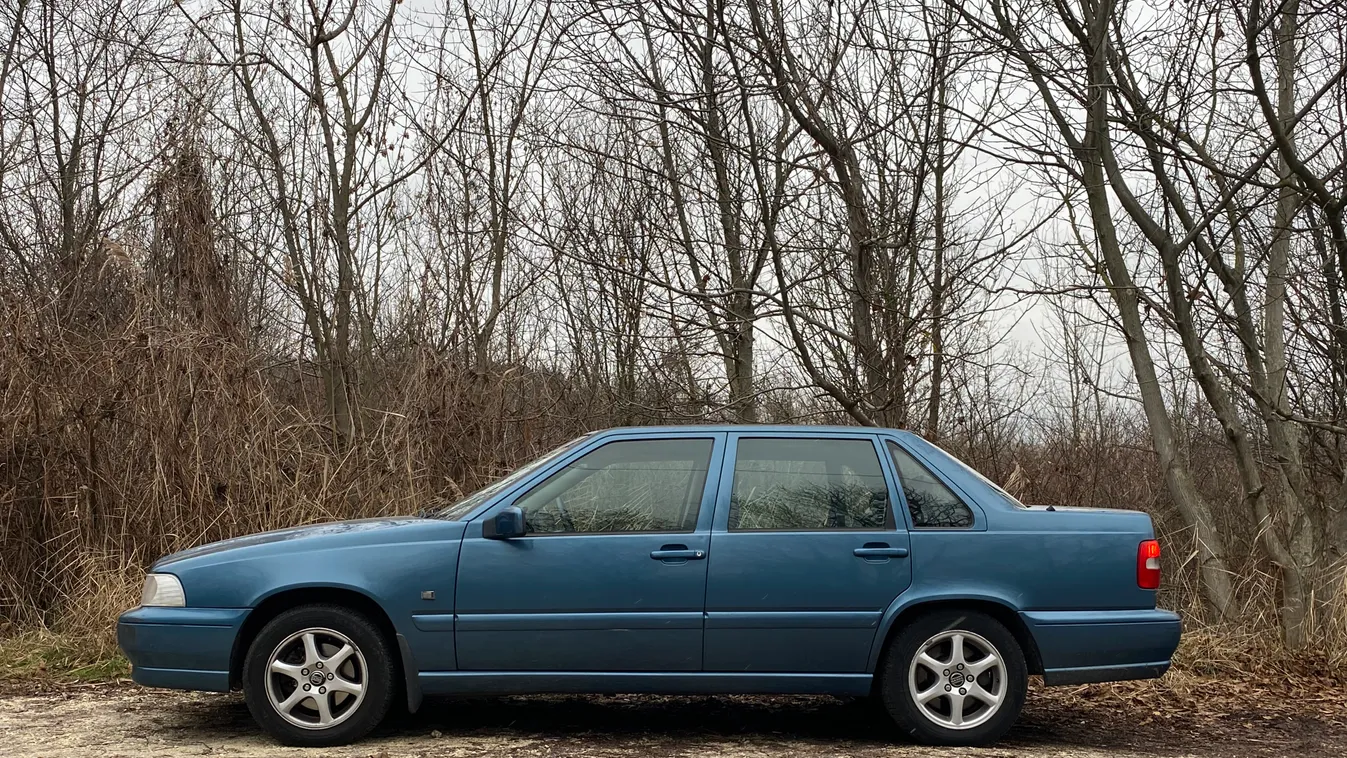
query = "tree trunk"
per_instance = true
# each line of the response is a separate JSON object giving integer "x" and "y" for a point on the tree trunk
{"x": 1210, "y": 546}
{"x": 938, "y": 264}
{"x": 1301, "y": 554}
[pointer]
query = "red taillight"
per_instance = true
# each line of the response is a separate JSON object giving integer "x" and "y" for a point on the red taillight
{"x": 1148, "y": 565}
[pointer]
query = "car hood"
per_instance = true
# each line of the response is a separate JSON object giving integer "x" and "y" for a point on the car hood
{"x": 357, "y": 531}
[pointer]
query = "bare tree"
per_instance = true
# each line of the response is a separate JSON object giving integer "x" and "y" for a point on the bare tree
{"x": 1181, "y": 176}
{"x": 315, "y": 89}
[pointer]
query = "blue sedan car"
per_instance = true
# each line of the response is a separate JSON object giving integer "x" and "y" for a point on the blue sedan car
{"x": 719, "y": 559}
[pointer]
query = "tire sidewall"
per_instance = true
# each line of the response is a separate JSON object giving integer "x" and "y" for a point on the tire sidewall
{"x": 378, "y": 661}
{"x": 903, "y": 648}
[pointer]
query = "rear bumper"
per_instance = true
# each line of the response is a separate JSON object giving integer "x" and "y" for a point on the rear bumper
{"x": 180, "y": 648}
{"x": 1103, "y": 646}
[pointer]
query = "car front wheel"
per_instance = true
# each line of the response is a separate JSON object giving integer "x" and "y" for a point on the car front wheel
{"x": 954, "y": 678}
{"x": 318, "y": 675}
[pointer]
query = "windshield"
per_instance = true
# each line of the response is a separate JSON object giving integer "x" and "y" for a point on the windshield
{"x": 465, "y": 506}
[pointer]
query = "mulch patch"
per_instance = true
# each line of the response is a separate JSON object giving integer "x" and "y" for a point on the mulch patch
{"x": 1263, "y": 715}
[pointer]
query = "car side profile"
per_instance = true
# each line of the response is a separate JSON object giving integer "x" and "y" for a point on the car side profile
{"x": 718, "y": 559}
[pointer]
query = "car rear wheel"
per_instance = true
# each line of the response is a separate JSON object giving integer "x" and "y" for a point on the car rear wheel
{"x": 318, "y": 675}
{"x": 954, "y": 678}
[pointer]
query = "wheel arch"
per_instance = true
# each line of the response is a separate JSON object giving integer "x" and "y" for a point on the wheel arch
{"x": 904, "y": 613}
{"x": 282, "y": 600}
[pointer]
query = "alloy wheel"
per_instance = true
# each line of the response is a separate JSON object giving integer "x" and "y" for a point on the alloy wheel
{"x": 957, "y": 679}
{"x": 316, "y": 678}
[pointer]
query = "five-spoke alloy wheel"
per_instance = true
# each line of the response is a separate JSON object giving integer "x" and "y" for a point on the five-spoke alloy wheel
{"x": 954, "y": 678}
{"x": 318, "y": 675}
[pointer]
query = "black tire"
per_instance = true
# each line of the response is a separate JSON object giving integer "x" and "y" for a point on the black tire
{"x": 912, "y": 718}
{"x": 360, "y": 715}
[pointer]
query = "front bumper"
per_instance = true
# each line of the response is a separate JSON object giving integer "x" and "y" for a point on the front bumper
{"x": 1103, "y": 646}
{"x": 180, "y": 648}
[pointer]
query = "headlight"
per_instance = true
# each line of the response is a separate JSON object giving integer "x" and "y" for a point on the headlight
{"x": 162, "y": 589}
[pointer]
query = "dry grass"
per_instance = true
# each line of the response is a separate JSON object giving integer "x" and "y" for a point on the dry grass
{"x": 39, "y": 655}
{"x": 1222, "y": 676}
{"x": 149, "y": 435}
{"x": 150, "y": 439}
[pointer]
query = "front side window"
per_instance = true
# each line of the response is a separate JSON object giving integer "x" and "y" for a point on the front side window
{"x": 623, "y": 486}
{"x": 808, "y": 484}
{"x": 931, "y": 503}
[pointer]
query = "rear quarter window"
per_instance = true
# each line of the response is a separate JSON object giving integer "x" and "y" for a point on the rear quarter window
{"x": 931, "y": 504}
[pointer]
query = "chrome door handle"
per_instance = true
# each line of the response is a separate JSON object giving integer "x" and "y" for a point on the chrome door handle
{"x": 880, "y": 552}
{"x": 678, "y": 555}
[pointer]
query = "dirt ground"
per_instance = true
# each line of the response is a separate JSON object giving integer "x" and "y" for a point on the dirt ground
{"x": 122, "y": 720}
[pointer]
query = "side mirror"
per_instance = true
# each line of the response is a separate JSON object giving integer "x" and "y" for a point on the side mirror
{"x": 509, "y": 522}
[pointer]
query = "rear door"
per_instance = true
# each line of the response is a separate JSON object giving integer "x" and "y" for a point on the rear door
{"x": 806, "y": 554}
{"x": 612, "y": 574}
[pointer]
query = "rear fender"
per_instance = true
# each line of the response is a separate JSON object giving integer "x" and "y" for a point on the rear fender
{"x": 910, "y": 605}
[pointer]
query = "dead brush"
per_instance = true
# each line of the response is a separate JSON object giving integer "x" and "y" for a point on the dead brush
{"x": 121, "y": 445}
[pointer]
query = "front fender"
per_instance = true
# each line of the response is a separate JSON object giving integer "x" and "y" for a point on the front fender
{"x": 392, "y": 575}
{"x": 412, "y": 575}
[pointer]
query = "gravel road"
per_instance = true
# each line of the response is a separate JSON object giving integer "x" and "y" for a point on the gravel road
{"x": 121, "y": 720}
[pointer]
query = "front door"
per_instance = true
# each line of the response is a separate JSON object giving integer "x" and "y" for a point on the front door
{"x": 612, "y": 573}
{"x": 806, "y": 555}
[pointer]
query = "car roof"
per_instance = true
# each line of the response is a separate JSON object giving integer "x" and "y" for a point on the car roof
{"x": 754, "y": 428}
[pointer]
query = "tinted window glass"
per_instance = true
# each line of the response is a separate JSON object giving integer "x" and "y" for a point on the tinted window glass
{"x": 802, "y": 484}
{"x": 627, "y": 486}
{"x": 930, "y": 502}
{"x": 946, "y": 461}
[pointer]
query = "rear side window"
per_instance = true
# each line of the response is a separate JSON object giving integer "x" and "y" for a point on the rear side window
{"x": 808, "y": 484}
{"x": 931, "y": 503}
{"x": 623, "y": 486}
